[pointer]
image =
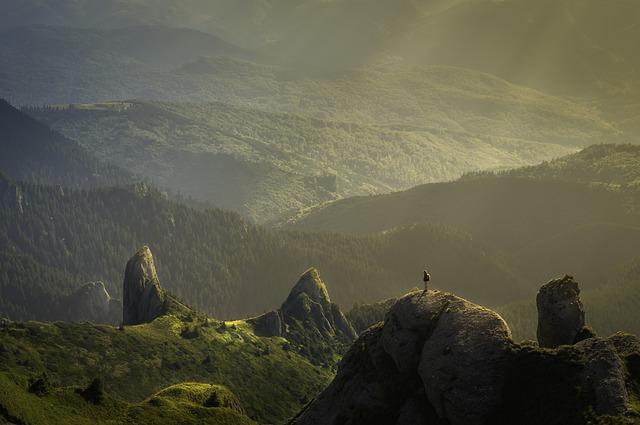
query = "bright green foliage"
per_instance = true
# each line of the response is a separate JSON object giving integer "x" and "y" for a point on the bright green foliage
{"x": 65, "y": 406}
{"x": 271, "y": 382}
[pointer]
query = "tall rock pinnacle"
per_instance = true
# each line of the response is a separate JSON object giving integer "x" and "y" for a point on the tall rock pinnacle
{"x": 560, "y": 313}
{"x": 144, "y": 299}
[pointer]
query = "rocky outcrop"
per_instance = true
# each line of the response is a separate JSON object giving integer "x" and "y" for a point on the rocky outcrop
{"x": 309, "y": 302}
{"x": 435, "y": 350}
{"x": 269, "y": 324}
{"x": 144, "y": 299}
{"x": 92, "y": 303}
{"x": 439, "y": 359}
{"x": 560, "y": 313}
{"x": 604, "y": 371}
{"x": 309, "y": 319}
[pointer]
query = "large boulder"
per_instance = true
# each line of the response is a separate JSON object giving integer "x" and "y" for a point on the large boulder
{"x": 560, "y": 313}
{"x": 268, "y": 325}
{"x": 438, "y": 359}
{"x": 604, "y": 372}
{"x": 463, "y": 363}
{"x": 144, "y": 299}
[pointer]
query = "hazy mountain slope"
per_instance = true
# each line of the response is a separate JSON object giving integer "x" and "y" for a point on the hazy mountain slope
{"x": 548, "y": 226}
{"x": 263, "y": 164}
{"x": 29, "y": 150}
{"x": 576, "y": 46}
{"x": 44, "y": 63}
{"x": 567, "y": 46}
{"x": 408, "y": 98}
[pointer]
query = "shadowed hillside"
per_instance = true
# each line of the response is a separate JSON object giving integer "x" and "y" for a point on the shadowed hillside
{"x": 576, "y": 214}
{"x": 30, "y": 151}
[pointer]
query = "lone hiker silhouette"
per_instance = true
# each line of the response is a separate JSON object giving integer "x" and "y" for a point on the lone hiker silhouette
{"x": 426, "y": 279}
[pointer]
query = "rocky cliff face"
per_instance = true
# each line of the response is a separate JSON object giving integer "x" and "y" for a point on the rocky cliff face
{"x": 144, "y": 299}
{"x": 439, "y": 359}
{"x": 92, "y": 303}
{"x": 560, "y": 313}
{"x": 309, "y": 319}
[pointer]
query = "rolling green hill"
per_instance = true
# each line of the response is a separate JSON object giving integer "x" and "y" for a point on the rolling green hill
{"x": 138, "y": 363}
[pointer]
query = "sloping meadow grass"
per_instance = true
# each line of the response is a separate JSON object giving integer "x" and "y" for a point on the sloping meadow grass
{"x": 271, "y": 382}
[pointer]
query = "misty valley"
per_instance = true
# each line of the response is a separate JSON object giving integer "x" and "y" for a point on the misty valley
{"x": 310, "y": 212}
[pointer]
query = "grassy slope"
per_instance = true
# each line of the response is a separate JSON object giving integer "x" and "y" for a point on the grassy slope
{"x": 65, "y": 406}
{"x": 271, "y": 381}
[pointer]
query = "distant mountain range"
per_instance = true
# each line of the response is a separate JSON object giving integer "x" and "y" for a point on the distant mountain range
{"x": 566, "y": 46}
{"x": 277, "y": 143}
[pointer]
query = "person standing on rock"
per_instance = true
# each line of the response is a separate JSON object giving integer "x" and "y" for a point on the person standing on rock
{"x": 426, "y": 278}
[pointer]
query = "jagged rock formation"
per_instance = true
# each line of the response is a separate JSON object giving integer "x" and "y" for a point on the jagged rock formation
{"x": 309, "y": 301}
{"x": 308, "y": 318}
{"x": 439, "y": 359}
{"x": 560, "y": 313}
{"x": 92, "y": 303}
{"x": 144, "y": 299}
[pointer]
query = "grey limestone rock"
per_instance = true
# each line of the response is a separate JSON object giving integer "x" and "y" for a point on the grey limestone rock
{"x": 144, "y": 299}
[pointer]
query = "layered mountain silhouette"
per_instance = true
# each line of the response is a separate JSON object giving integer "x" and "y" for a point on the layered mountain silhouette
{"x": 31, "y": 151}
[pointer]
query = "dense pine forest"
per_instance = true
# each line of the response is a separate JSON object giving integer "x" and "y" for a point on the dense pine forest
{"x": 212, "y": 258}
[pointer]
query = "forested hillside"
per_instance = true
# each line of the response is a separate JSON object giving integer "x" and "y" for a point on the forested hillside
{"x": 579, "y": 224}
{"x": 214, "y": 259}
{"x": 612, "y": 166}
